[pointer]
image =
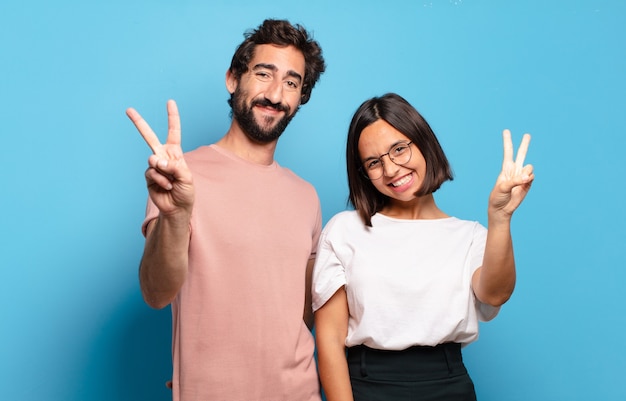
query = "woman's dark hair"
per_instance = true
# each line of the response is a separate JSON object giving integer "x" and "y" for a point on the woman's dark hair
{"x": 281, "y": 33}
{"x": 398, "y": 113}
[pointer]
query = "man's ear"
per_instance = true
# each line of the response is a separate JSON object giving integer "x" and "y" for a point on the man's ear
{"x": 231, "y": 82}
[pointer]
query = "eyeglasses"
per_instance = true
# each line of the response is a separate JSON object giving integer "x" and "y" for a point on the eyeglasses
{"x": 399, "y": 154}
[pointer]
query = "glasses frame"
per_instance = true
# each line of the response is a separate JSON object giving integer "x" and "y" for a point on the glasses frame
{"x": 364, "y": 171}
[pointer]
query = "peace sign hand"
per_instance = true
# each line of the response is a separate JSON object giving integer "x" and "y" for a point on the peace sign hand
{"x": 514, "y": 180}
{"x": 169, "y": 180}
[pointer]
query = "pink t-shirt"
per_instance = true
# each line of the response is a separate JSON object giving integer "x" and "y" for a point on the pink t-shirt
{"x": 238, "y": 332}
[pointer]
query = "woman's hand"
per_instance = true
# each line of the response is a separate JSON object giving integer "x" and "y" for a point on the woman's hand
{"x": 514, "y": 180}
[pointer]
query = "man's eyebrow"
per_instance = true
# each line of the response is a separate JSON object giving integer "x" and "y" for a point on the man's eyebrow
{"x": 265, "y": 66}
{"x": 273, "y": 68}
{"x": 295, "y": 75}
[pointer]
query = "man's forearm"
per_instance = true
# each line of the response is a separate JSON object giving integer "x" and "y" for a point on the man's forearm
{"x": 164, "y": 264}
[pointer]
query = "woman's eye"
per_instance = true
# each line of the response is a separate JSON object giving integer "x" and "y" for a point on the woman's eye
{"x": 400, "y": 149}
{"x": 372, "y": 164}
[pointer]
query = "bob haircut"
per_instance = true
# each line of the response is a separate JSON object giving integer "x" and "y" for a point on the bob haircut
{"x": 281, "y": 33}
{"x": 398, "y": 113}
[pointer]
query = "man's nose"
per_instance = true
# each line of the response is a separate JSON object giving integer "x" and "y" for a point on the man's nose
{"x": 274, "y": 92}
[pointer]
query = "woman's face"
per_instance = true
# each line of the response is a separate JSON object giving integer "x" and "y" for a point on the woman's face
{"x": 399, "y": 182}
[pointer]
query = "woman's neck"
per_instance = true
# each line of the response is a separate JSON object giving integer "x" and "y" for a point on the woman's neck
{"x": 420, "y": 208}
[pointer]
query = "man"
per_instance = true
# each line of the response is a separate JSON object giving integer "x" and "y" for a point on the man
{"x": 231, "y": 235}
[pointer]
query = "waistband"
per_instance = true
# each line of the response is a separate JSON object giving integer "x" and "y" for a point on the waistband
{"x": 415, "y": 363}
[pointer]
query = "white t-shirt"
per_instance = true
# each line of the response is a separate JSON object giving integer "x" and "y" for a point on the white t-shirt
{"x": 408, "y": 282}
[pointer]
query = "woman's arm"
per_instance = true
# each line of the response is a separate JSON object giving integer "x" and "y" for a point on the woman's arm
{"x": 331, "y": 329}
{"x": 307, "y": 315}
{"x": 494, "y": 281}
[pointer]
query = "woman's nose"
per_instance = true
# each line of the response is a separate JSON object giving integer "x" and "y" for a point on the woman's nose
{"x": 389, "y": 167}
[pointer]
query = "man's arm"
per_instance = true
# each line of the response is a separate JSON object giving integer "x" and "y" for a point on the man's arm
{"x": 163, "y": 267}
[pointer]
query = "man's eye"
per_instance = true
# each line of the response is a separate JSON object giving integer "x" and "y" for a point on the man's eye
{"x": 291, "y": 85}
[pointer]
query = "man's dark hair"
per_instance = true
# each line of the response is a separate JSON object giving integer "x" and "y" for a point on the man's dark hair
{"x": 281, "y": 33}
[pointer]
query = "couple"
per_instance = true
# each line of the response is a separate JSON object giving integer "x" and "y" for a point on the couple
{"x": 234, "y": 243}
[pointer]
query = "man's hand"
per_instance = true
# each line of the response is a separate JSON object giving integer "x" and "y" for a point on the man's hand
{"x": 169, "y": 180}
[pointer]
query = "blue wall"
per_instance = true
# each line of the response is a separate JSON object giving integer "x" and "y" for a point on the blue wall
{"x": 73, "y": 325}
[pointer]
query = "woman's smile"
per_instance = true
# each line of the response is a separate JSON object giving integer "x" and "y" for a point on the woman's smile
{"x": 402, "y": 183}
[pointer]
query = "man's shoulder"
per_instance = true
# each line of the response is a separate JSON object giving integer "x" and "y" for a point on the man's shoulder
{"x": 199, "y": 153}
{"x": 203, "y": 158}
{"x": 294, "y": 179}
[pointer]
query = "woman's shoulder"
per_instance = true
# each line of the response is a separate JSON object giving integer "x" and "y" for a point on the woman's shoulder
{"x": 343, "y": 220}
{"x": 461, "y": 222}
{"x": 473, "y": 226}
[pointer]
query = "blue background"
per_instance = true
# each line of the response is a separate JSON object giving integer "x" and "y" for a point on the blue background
{"x": 73, "y": 325}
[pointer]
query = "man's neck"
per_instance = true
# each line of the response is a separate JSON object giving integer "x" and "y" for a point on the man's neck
{"x": 237, "y": 142}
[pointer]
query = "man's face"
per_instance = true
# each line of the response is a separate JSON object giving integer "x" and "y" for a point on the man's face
{"x": 267, "y": 96}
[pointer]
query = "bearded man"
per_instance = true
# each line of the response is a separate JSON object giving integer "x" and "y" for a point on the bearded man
{"x": 231, "y": 235}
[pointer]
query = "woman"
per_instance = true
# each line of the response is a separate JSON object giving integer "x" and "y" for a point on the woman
{"x": 399, "y": 282}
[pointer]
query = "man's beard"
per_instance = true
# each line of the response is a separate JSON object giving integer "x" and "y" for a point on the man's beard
{"x": 245, "y": 117}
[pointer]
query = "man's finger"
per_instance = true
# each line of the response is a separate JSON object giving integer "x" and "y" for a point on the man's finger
{"x": 508, "y": 146}
{"x": 144, "y": 129}
{"x": 521, "y": 152}
{"x": 173, "y": 123}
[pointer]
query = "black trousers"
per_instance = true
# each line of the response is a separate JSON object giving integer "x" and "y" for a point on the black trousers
{"x": 415, "y": 374}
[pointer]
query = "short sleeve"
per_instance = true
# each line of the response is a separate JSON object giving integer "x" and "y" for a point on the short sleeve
{"x": 152, "y": 212}
{"x": 328, "y": 272}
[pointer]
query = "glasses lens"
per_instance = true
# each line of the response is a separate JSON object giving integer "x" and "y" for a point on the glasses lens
{"x": 401, "y": 153}
{"x": 372, "y": 169}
